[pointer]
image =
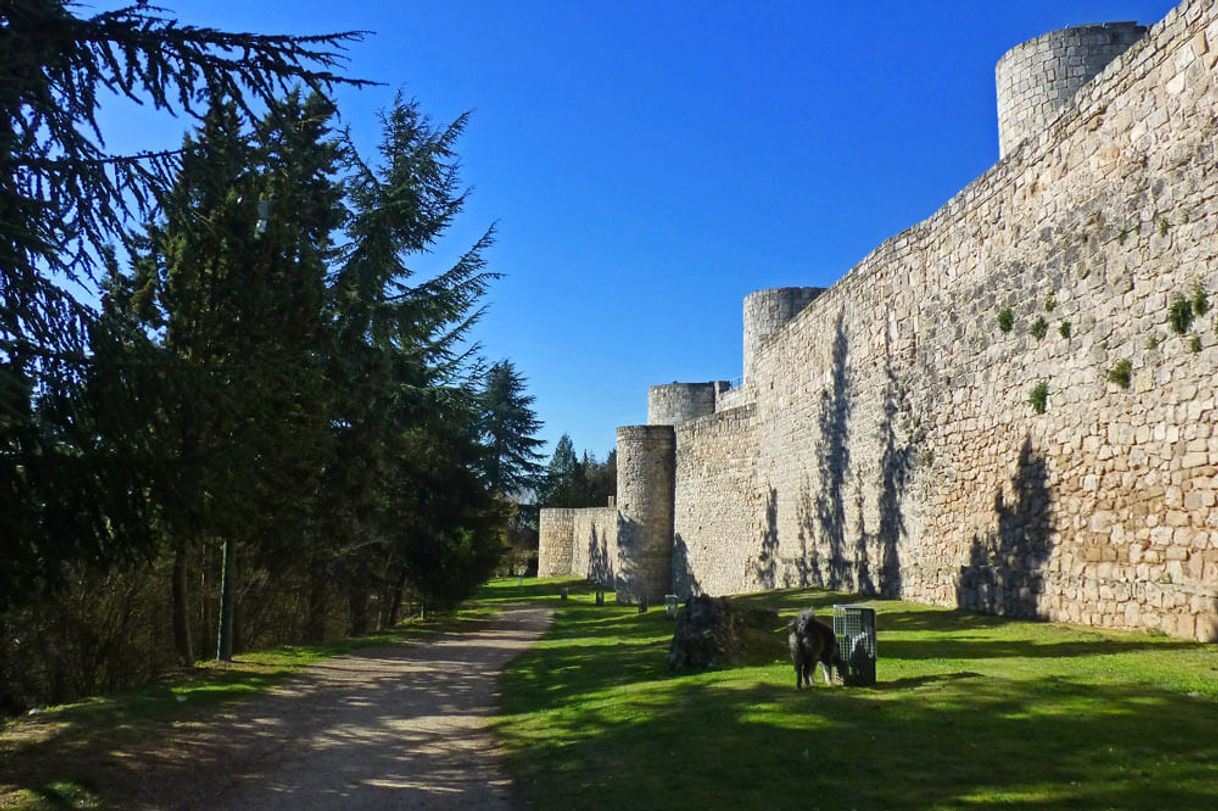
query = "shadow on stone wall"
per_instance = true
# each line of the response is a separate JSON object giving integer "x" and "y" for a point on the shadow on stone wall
{"x": 1004, "y": 574}
{"x": 599, "y": 570}
{"x": 835, "y": 561}
{"x": 896, "y": 464}
{"x": 684, "y": 583}
{"x": 833, "y": 464}
{"x": 765, "y": 570}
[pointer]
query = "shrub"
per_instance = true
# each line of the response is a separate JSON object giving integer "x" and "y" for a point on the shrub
{"x": 1039, "y": 397}
{"x": 1121, "y": 373}
{"x": 1064, "y": 329}
{"x": 1040, "y": 328}
{"x": 1195, "y": 343}
{"x": 1180, "y": 316}
{"x": 1201, "y": 302}
{"x": 1006, "y": 319}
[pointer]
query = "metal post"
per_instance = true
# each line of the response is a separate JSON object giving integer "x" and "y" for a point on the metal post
{"x": 224, "y": 634}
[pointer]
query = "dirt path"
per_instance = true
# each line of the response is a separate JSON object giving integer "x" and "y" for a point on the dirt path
{"x": 401, "y": 727}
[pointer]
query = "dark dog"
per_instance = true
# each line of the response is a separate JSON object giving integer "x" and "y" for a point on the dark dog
{"x": 812, "y": 641}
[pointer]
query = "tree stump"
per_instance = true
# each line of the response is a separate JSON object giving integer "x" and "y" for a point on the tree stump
{"x": 710, "y": 633}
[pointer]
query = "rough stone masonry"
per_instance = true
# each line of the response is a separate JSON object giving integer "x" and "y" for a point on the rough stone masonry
{"x": 1010, "y": 407}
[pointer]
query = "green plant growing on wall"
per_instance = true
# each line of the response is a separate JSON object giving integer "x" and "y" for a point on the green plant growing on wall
{"x": 1152, "y": 342}
{"x": 1195, "y": 343}
{"x": 1122, "y": 236}
{"x": 1064, "y": 329}
{"x": 1162, "y": 228}
{"x": 1121, "y": 373}
{"x": 1040, "y": 328}
{"x": 1039, "y": 397}
{"x": 1201, "y": 301}
{"x": 1181, "y": 315}
{"x": 1006, "y": 319}
{"x": 1050, "y": 303}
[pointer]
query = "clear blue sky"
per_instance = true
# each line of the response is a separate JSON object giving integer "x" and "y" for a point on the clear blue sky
{"x": 650, "y": 163}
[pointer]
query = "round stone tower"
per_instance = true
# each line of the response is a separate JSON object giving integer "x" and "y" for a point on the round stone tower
{"x": 675, "y": 403}
{"x": 765, "y": 311}
{"x": 1037, "y": 78}
{"x": 646, "y": 478}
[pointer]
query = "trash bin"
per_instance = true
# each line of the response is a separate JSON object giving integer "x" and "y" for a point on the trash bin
{"x": 854, "y": 626}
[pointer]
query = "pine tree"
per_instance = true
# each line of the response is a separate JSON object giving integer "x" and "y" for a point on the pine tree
{"x": 405, "y": 415}
{"x": 509, "y": 427}
{"x": 564, "y": 485}
{"x": 63, "y": 197}
{"x": 235, "y": 277}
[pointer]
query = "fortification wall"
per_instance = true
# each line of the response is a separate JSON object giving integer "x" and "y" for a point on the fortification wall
{"x": 645, "y": 478}
{"x": 766, "y": 312}
{"x": 594, "y": 547}
{"x": 675, "y": 403}
{"x": 555, "y": 536}
{"x": 735, "y": 398}
{"x": 1037, "y": 78}
{"x": 717, "y": 506}
{"x": 896, "y": 447}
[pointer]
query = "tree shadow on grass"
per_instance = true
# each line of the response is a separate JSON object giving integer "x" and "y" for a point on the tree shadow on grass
{"x": 532, "y": 590}
{"x": 355, "y": 733}
{"x": 1043, "y": 744}
{"x": 957, "y": 648}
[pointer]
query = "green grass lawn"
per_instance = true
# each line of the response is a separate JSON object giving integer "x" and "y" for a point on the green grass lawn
{"x": 42, "y": 755}
{"x": 970, "y": 711}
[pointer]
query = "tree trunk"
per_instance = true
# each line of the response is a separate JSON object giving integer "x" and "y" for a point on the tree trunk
{"x": 357, "y": 603}
{"x": 395, "y": 608}
{"x": 315, "y": 619}
{"x": 181, "y": 607}
{"x": 224, "y": 631}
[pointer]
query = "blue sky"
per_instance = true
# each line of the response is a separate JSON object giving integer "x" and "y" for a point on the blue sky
{"x": 651, "y": 163}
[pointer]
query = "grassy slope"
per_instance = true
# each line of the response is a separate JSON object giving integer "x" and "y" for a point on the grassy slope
{"x": 971, "y": 711}
{"x": 50, "y": 760}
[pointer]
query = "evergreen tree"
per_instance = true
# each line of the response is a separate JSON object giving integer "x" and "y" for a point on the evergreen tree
{"x": 574, "y": 482}
{"x": 509, "y": 427}
{"x": 601, "y": 478}
{"x": 565, "y": 485}
{"x": 234, "y": 280}
{"x": 62, "y": 197}
{"x": 405, "y": 414}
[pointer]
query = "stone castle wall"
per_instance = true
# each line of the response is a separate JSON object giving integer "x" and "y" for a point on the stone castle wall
{"x": 766, "y": 312}
{"x": 1037, "y": 78}
{"x": 646, "y": 467}
{"x": 594, "y": 544}
{"x": 890, "y": 443}
{"x": 897, "y": 448}
{"x": 712, "y": 532}
{"x": 555, "y": 534}
{"x": 673, "y": 403}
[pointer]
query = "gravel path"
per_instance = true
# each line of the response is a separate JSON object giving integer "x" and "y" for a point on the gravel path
{"x": 401, "y": 727}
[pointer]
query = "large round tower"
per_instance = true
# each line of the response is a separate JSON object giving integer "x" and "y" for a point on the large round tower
{"x": 646, "y": 477}
{"x": 765, "y": 312}
{"x": 1037, "y": 78}
{"x": 675, "y": 403}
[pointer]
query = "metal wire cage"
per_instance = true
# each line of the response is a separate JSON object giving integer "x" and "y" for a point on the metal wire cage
{"x": 854, "y": 627}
